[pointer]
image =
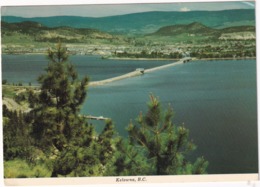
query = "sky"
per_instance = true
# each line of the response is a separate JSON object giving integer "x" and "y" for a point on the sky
{"x": 118, "y": 9}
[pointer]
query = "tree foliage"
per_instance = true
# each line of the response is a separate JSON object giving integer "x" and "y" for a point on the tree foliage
{"x": 56, "y": 119}
{"x": 157, "y": 146}
{"x": 57, "y": 125}
{"x": 16, "y": 139}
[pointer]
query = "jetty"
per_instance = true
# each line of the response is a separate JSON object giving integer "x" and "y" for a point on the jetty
{"x": 138, "y": 72}
{"x": 94, "y": 117}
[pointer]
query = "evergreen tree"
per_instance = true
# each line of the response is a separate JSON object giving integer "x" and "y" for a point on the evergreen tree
{"x": 157, "y": 146}
{"x": 32, "y": 99}
{"x": 60, "y": 131}
{"x": 56, "y": 109}
{"x": 16, "y": 139}
{"x": 128, "y": 160}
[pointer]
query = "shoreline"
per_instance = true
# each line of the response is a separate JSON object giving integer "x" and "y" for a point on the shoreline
{"x": 177, "y": 59}
{"x": 240, "y": 58}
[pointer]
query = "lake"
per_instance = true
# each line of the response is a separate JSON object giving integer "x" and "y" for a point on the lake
{"x": 216, "y": 100}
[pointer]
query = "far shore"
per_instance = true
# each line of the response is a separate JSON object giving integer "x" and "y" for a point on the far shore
{"x": 127, "y": 58}
{"x": 239, "y": 58}
{"x": 193, "y": 58}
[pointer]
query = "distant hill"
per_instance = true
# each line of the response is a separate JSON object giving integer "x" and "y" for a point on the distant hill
{"x": 193, "y": 28}
{"x": 37, "y": 32}
{"x": 238, "y": 29}
{"x": 198, "y": 29}
{"x": 147, "y": 22}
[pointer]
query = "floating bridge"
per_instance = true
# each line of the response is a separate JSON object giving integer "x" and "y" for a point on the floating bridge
{"x": 139, "y": 71}
{"x": 95, "y": 117}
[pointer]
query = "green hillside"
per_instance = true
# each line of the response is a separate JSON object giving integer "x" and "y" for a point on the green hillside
{"x": 199, "y": 29}
{"x": 238, "y": 29}
{"x": 199, "y": 33}
{"x": 193, "y": 28}
{"x": 35, "y": 32}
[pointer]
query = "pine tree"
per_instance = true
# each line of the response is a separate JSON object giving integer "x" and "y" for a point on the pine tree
{"x": 128, "y": 160}
{"x": 17, "y": 142}
{"x": 156, "y": 146}
{"x": 60, "y": 131}
{"x": 59, "y": 101}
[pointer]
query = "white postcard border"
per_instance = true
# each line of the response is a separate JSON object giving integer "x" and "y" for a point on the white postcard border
{"x": 192, "y": 180}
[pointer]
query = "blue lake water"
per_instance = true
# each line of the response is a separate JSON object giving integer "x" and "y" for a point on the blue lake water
{"x": 26, "y": 68}
{"x": 216, "y": 100}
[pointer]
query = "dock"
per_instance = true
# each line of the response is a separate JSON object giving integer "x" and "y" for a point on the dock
{"x": 95, "y": 117}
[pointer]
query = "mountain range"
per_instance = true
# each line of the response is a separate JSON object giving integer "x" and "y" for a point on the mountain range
{"x": 146, "y": 22}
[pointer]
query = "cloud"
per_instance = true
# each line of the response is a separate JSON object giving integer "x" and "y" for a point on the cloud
{"x": 184, "y": 9}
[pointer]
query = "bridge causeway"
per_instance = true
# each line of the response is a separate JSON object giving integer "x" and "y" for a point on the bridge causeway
{"x": 139, "y": 71}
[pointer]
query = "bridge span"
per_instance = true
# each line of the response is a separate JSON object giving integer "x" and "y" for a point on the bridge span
{"x": 139, "y": 71}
